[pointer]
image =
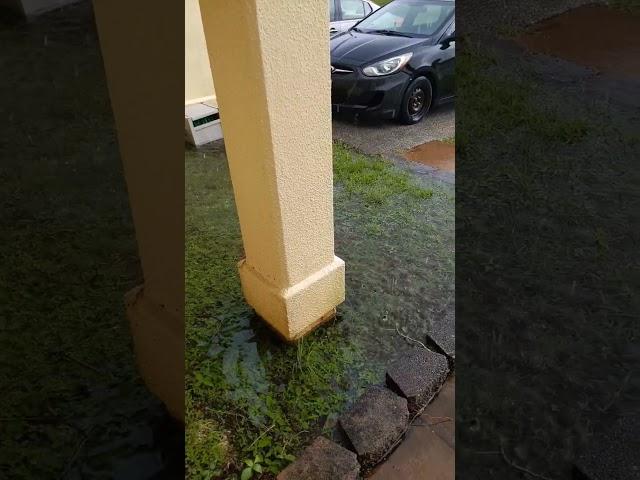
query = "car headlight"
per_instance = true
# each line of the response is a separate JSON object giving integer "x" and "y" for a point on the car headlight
{"x": 388, "y": 66}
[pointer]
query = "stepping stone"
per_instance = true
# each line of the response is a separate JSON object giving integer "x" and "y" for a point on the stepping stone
{"x": 374, "y": 423}
{"x": 418, "y": 376}
{"x": 323, "y": 460}
{"x": 612, "y": 454}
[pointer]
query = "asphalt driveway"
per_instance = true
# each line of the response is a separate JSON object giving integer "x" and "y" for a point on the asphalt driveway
{"x": 390, "y": 139}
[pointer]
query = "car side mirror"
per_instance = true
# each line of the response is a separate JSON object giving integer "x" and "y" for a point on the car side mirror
{"x": 448, "y": 39}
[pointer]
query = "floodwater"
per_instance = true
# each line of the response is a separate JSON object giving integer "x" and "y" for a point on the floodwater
{"x": 436, "y": 154}
{"x": 400, "y": 271}
{"x": 594, "y": 36}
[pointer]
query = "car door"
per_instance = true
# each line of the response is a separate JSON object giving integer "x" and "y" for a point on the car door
{"x": 348, "y": 13}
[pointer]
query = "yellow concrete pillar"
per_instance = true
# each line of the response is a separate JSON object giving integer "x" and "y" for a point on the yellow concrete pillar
{"x": 138, "y": 49}
{"x": 272, "y": 77}
{"x": 198, "y": 83}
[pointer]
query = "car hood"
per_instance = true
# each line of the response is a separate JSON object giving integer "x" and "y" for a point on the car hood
{"x": 355, "y": 48}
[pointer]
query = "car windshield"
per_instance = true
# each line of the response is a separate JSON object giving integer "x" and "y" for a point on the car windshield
{"x": 422, "y": 18}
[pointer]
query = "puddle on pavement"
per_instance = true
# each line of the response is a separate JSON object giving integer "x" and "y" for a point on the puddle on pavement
{"x": 436, "y": 154}
{"x": 594, "y": 36}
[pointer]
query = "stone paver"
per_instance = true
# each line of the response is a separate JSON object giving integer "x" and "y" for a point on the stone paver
{"x": 417, "y": 376}
{"x": 323, "y": 460}
{"x": 428, "y": 450}
{"x": 374, "y": 423}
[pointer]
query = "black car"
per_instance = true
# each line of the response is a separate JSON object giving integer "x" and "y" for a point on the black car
{"x": 397, "y": 62}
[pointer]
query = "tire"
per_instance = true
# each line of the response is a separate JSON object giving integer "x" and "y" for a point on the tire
{"x": 416, "y": 101}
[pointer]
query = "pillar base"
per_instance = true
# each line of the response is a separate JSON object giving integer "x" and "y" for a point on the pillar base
{"x": 158, "y": 339}
{"x": 295, "y": 311}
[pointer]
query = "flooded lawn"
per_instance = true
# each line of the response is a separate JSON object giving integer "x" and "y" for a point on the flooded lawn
{"x": 251, "y": 396}
{"x": 437, "y": 154}
{"x": 595, "y": 36}
{"x": 73, "y": 404}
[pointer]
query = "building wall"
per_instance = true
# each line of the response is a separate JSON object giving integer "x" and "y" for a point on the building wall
{"x": 198, "y": 84}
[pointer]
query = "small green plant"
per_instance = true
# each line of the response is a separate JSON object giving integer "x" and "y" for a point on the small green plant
{"x": 206, "y": 448}
{"x": 252, "y": 466}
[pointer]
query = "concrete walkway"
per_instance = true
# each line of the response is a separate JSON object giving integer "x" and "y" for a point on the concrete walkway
{"x": 428, "y": 449}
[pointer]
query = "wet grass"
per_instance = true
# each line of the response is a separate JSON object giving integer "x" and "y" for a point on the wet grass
{"x": 253, "y": 399}
{"x": 72, "y": 401}
{"x": 549, "y": 341}
{"x": 374, "y": 179}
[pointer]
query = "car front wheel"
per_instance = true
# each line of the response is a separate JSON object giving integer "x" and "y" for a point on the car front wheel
{"x": 416, "y": 101}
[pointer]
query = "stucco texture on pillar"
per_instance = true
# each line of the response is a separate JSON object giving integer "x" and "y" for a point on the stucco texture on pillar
{"x": 273, "y": 91}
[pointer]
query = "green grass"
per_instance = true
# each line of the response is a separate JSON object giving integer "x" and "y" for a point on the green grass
{"x": 374, "y": 179}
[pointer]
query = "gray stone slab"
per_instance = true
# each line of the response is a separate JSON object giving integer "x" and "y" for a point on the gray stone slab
{"x": 374, "y": 423}
{"x": 418, "y": 376}
{"x": 613, "y": 454}
{"x": 323, "y": 460}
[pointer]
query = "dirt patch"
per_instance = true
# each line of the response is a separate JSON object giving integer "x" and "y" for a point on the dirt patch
{"x": 436, "y": 154}
{"x": 595, "y": 36}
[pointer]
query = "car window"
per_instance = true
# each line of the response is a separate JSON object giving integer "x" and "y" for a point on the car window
{"x": 412, "y": 17}
{"x": 332, "y": 10}
{"x": 429, "y": 19}
{"x": 367, "y": 8}
{"x": 352, "y": 9}
{"x": 389, "y": 20}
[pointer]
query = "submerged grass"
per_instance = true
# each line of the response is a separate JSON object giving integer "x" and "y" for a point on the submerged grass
{"x": 252, "y": 400}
